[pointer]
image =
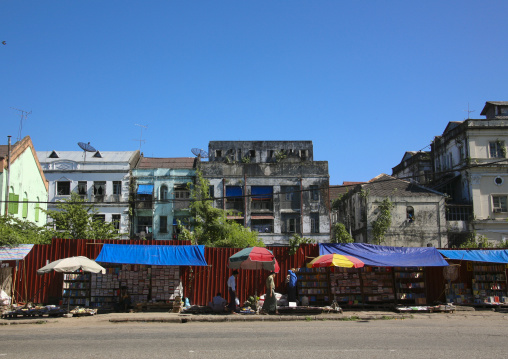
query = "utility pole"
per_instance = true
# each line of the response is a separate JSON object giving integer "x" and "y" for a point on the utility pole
{"x": 24, "y": 115}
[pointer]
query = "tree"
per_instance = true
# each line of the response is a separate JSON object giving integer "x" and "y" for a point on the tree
{"x": 384, "y": 220}
{"x": 211, "y": 226}
{"x": 77, "y": 219}
{"x": 295, "y": 240}
{"x": 475, "y": 240}
{"x": 15, "y": 231}
{"x": 340, "y": 234}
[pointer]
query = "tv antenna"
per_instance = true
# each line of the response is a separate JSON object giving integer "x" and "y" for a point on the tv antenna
{"x": 468, "y": 111}
{"x": 199, "y": 153}
{"x": 24, "y": 115}
{"x": 141, "y": 137}
{"x": 86, "y": 147}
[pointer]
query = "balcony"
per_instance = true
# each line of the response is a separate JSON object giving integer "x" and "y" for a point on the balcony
{"x": 180, "y": 204}
{"x": 144, "y": 204}
{"x": 460, "y": 212}
{"x": 98, "y": 198}
{"x": 235, "y": 206}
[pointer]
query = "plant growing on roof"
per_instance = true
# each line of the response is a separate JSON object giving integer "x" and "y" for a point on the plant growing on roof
{"x": 280, "y": 155}
{"x": 384, "y": 220}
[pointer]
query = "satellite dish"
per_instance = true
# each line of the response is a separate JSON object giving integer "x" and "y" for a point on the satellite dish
{"x": 87, "y": 147}
{"x": 199, "y": 153}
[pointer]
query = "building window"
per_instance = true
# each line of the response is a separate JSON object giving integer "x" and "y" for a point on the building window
{"x": 410, "y": 214}
{"x": 99, "y": 191}
{"x": 117, "y": 188}
{"x": 290, "y": 223}
{"x": 314, "y": 223}
{"x": 82, "y": 188}
{"x": 25, "y": 206}
{"x": 164, "y": 192}
{"x": 262, "y": 225}
{"x": 144, "y": 227}
{"x": 37, "y": 210}
{"x": 498, "y": 181}
{"x": 115, "y": 219}
{"x": 252, "y": 153}
{"x": 499, "y": 204}
{"x": 262, "y": 198}
{"x": 163, "y": 224}
{"x": 497, "y": 149}
{"x": 304, "y": 154}
{"x": 99, "y": 218}
{"x": 218, "y": 153}
{"x": 314, "y": 193}
{"x": 63, "y": 188}
{"x": 13, "y": 202}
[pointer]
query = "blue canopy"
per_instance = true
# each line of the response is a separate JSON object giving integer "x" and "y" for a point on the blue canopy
{"x": 152, "y": 255}
{"x": 492, "y": 256}
{"x": 261, "y": 192}
{"x": 383, "y": 256}
{"x": 234, "y": 191}
{"x": 145, "y": 189}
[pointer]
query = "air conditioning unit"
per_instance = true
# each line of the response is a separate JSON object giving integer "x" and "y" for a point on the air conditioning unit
{"x": 497, "y": 210}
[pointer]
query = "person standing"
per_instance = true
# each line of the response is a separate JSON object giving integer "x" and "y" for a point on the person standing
{"x": 270, "y": 304}
{"x": 292, "y": 280}
{"x": 232, "y": 292}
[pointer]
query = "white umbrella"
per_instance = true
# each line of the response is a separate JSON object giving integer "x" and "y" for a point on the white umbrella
{"x": 72, "y": 264}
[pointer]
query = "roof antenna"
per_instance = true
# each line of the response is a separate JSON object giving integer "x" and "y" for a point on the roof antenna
{"x": 468, "y": 111}
{"x": 24, "y": 115}
{"x": 141, "y": 137}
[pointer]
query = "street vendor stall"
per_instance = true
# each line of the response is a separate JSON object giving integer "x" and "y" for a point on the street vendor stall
{"x": 391, "y": 276}
{"x": 149, "y": 273}
{"x": 480, "y": 279}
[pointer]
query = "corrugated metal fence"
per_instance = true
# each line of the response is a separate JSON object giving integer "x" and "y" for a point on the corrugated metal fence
{"x": 200, "y": 283}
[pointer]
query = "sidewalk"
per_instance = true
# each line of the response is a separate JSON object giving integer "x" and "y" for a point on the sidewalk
{"x": 158, "y": 317}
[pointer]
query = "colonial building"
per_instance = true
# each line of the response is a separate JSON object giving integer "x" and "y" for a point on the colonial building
{"x": 415, "y": 166}
{"x": 162, "y": 196}
{"x": 470, "y": 166}
{"x": 417, "y": 215}
{"x": 273, "y": 187}
{"x": 23, "y": 185}
{"x": 102, "y": 178}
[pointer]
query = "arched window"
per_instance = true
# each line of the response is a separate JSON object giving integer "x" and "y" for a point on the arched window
{"x": 164, "y": 192}
{"x": 410, "y": 214}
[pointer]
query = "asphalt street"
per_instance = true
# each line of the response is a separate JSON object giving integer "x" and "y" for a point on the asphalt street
{"x": 471, "y": 335}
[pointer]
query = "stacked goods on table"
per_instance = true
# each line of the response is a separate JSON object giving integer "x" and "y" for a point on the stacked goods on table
{"x": 165, "y": 283}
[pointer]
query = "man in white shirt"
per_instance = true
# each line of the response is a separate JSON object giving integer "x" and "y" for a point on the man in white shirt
{"x": 232, "y": 292}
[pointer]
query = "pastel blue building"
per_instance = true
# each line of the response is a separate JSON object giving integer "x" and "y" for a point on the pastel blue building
{"x": 161, "y": 196}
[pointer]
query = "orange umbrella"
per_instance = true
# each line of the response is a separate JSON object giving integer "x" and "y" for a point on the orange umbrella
{"x": 335, "y": 260}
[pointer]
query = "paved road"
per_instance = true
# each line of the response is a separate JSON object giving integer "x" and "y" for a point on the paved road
{"x": 439, "y": 336}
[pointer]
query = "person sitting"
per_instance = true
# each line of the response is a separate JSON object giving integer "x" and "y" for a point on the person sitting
{"x": 218, "y": 304}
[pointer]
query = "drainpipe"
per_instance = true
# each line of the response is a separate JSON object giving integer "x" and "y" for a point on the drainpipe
{"x": 8, "y": 175}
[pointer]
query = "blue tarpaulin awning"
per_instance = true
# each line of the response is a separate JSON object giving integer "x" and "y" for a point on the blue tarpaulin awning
{"x": 488, "y": 255}
{"x": 234, "y": 191}
{"x": 384, "y": 256}
{"x": 145, "y": 189}
{"x": 152, "y": 255}
{"x": 261, "y": 192}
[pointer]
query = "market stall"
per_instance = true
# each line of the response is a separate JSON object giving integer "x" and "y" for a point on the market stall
{"x": 391, "y": 276}
{"x": 150, "y": 274}
{"x": 479, "y": 278}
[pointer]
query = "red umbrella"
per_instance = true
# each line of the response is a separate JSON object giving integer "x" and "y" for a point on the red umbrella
{"x": 335, "y": 260}
{"x": 254, "y": 258}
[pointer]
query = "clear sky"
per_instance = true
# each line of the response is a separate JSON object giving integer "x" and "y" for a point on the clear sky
{"x": 365, "y": 81}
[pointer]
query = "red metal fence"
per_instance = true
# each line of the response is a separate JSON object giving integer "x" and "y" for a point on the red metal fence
{"x": 200, "y": 283}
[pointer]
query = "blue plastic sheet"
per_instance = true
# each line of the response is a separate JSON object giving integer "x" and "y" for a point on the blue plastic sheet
{"x": 145, "y": 189}
{"x": 384, "y": 256}
{"x": 152, "y": 255}
{"x": 488, "y": 255}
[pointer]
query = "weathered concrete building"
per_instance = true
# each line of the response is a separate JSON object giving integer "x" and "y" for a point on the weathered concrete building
{"x": 415, "y": 166}
{"x": 470, "y": 166}
{"x": 162, "y": 196}
{"x": 100, "y": 177}
{"x": 417, "y": 215}
{"x": 273, "y": 187}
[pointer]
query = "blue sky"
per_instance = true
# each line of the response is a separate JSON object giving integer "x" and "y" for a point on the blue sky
{"x": 364, "y": 80}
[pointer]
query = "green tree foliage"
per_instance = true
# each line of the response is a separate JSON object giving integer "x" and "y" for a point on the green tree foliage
{"x": 15, "y": 231}
{"x": 295, "y": 240}
{"x": 475, "y": 240}
{"x": 340, "y": 234}
{"x": 384, "y": 220}
{"x": 75, "y": 219}
{"x": 211, "y": 226}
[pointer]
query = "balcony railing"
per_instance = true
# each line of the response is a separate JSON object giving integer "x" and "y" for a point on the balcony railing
{"x": 459, "y": 212}
{"x": 145, "y": 204}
